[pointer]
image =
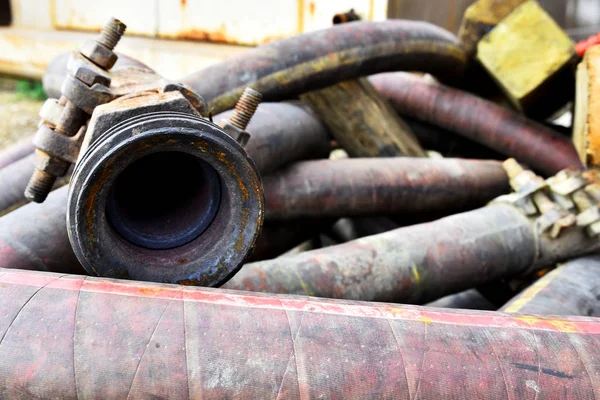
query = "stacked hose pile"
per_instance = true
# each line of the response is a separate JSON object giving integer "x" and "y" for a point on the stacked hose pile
{"x": 138, "y": 276}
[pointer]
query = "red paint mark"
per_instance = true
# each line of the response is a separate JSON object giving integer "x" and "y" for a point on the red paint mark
{"x": 234, "y": 298}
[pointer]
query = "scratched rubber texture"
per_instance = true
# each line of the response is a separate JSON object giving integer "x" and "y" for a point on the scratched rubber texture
{"x": 413, "y": 264}
{"x": 478, "y": 119}
{"x": 381, "y": 186}
{"x": 74, "y": 337}
{"x": 571, "y": 289}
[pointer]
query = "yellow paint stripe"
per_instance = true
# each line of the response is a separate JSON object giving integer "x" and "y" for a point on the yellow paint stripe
{"x": 530, "y": 293}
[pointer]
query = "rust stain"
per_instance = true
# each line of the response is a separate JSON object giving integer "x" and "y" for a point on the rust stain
{"x": 190, "y": 282}
{"x": 183, "y": 261}
{"x": 217, "y": 36}
{"x": 183, "y": 3}
{"x": 311, "y": 8}
{"x": 90, "y": 202}
{"x": 150, "y": 291}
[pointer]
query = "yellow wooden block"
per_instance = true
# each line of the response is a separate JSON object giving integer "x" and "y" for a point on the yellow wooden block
{"x": 586, "y": 126}
{"x": 480, "y": 18}
{"x": 523, "y": 51}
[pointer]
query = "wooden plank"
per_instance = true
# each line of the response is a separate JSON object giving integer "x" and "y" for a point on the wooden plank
{"x": 586, "y": 129}
{"x": 362, "y": 121}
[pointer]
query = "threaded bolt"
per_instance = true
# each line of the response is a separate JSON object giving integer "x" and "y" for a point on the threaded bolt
{"x": 512, "y": 168}
{"x": 245, "y": 108}
{"x": 39, "y": 186}
{"x": 111, "y": 33}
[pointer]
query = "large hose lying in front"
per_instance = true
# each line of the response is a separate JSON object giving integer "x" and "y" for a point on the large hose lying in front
{"x": 571, "y": 289}
{"x": 285, "y": 68}
{"x": 479, "y": 120}
{"x": 75, "y": 337}
{"x": 419, "y": 263}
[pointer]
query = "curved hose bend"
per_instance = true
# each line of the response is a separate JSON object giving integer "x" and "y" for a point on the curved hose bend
{"x": 288, "y": 67}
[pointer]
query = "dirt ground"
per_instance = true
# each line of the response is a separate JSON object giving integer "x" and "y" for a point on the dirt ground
{"x": 18, "y": 113}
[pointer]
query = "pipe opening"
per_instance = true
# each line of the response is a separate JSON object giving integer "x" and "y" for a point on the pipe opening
{"x": 164, "y": 200}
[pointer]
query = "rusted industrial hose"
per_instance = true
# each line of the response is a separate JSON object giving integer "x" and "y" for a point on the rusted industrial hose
{"x": 571, "y": 289}
{"x": 378, "y": 186}
{"x": 480, "y": 120}
{"x": 288, "y": 67}
{"x": 73, "y": 337}
{"x": 419, "y": 263}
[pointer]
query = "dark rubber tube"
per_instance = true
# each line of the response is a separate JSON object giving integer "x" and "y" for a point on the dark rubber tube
{"x": 17, "y": 151}
{"x": 285, "y": 68}
{"x": 419, "y": 263}
{"x": 479, "y": 120}
{"x": 571, "y": 289}
{"x": 379, "y": 186}
{"x": 73, "y": 337}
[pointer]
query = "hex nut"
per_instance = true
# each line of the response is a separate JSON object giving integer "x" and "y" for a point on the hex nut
{"x": 50, "y": 165}
{"x": 51, "y": 111}
{"x": 98, "y": 54}
{"x": 86, "y": 71}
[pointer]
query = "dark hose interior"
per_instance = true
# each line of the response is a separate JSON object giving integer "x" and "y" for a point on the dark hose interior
{"x": 164, "y": 200}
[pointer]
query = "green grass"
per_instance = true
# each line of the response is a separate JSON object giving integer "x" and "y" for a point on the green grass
{"x": 32, "y": 90}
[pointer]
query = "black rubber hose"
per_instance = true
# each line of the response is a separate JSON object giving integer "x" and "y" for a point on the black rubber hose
{"x": 286, "y": 68}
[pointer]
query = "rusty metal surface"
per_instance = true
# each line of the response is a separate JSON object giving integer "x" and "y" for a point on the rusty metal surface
{"x": 288, "y": 67}
{"x": 498, "y": 128}
{"x": 418, "y": 263}
{"x": 186, "y": 240}
{"x": 17, "y": 151}
{"x": 379, "y": 186}
{"x": 571, "y": 289}
{"x": 74, "y": 337}
{"x": 57, "y": 71}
